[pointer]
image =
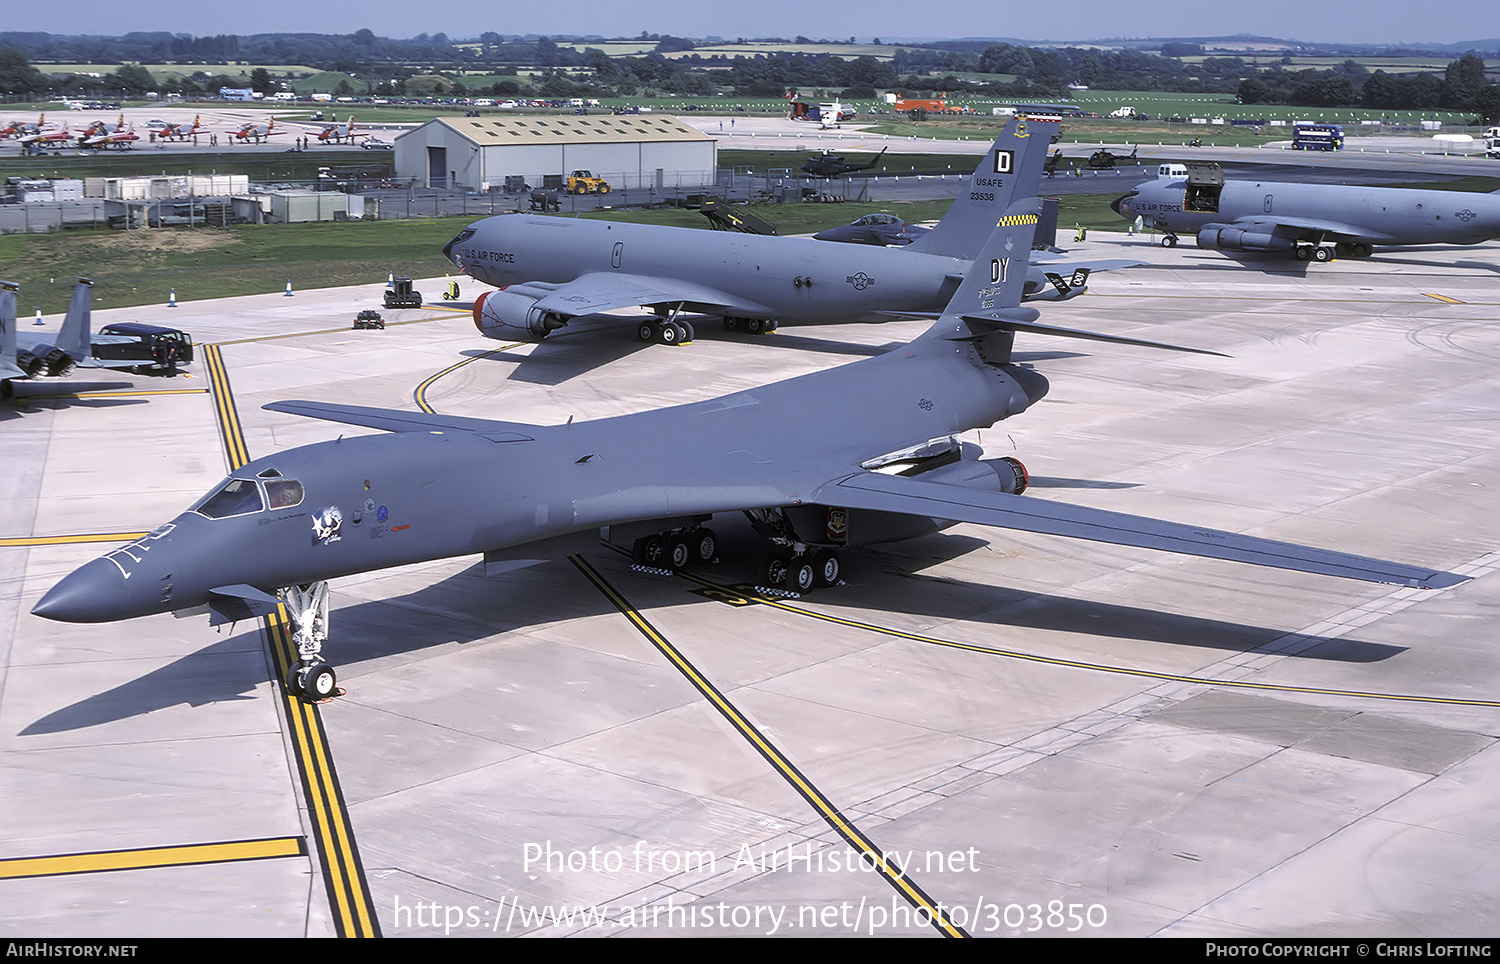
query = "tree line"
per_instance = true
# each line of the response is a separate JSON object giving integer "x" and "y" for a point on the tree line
{"x": 427, "y": 64}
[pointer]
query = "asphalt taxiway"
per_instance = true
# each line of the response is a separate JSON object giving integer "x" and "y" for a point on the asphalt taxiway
{"x": 1054, "y": 737}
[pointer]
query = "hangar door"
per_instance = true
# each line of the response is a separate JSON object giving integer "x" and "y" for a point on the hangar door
{"x": 437, "y": 167}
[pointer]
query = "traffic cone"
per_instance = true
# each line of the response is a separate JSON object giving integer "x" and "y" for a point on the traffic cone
{"x": 172, "y": 299}
{"x": 38, "y": 315}
{"x": 288, "y": 288}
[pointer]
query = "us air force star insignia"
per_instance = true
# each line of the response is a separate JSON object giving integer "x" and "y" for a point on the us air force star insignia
{"x": 860, "y": 281}
{"x": 1465, "y": 215}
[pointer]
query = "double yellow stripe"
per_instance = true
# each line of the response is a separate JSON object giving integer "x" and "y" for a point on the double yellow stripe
{"x": 895, "y": 876}
{"x": 343, "y": 874}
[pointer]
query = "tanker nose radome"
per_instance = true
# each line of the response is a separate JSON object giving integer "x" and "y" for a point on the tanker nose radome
{"x": 94, "y": 593}
{"x": 462, "y": 236}
{"x": 1118, "y": 204}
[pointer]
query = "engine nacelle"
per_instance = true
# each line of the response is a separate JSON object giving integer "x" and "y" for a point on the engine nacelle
{"x": 863, "y": 527}
{"x": 1224, "y": 237}
{"x": 56, "y": 361}
{"x": 996, "y": 475}
{"x": 511, "y": 313}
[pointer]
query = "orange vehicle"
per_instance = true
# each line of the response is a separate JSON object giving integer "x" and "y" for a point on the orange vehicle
{"x": 930, "y": 106}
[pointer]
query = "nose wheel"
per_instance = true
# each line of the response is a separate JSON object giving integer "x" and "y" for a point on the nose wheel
{"x": 311, "y": 677}
{"x": 317, "y": 680}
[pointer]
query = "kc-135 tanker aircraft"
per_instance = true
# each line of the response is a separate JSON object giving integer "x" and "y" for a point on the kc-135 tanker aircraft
{"x": 554, "y": 269}
{"x": 1307, "y": 221}
{"x": 864, "y": 454}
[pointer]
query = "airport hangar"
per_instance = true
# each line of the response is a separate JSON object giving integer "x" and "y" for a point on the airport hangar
{"x": 628, "y": 151}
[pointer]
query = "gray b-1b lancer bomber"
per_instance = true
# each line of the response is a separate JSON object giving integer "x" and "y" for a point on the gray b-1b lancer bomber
{"x": 1307, "y": 221}
{"x": 556, "y": 269}
{"x": 860, "y": 455}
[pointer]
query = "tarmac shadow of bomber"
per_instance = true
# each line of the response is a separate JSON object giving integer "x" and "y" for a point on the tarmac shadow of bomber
{"x": 1307, "y": 221}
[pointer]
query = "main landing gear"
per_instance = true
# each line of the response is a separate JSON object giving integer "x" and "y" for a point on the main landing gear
{"x": 793, "y": 566}
{"x": 1314, "y": 252}
{"x": 311, "y": 676}
{"x": 801, "y": 569}
{"x": 665, "y": 332}
{"x": 676, "y": 549}
{"x": 750, "y": 326}
{"x": 1169, "y": 240}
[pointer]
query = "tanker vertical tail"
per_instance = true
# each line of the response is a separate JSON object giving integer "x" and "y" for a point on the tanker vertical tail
{"x": 1010, "y": 171}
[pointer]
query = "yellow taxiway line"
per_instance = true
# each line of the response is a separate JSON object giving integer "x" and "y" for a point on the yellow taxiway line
{"x": 841, "y": 825}
{"x": 343, "y": 873}
{"x": 181, "y": 856}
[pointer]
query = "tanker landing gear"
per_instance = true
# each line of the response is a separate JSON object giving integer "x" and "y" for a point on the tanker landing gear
{"x": 665, "y": 332}
{"x": 666, "y": 329}
{"x": 1354, "y": 249}
{"x": 750, "y": 326}
{"x": 1314, "y": 252}
{"x": 1169, "y": 240}
{"x": 310, "y": 677}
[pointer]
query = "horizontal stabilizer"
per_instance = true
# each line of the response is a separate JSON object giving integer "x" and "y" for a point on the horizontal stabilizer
{"x": 1010, "y": 320}
{"x": 395, "y": 420}
{"x": 888, "y": 493}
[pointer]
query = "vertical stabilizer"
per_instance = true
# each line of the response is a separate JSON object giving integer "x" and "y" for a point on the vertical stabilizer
{"x": 998, "y": 278}
{"x": 1010, "y": 171}
{"x": 7, "y": 323}
{"x": 75, "y": 334}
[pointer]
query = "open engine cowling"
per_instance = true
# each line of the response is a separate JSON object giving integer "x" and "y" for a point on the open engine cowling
{"x": 996, "y": 475}
{"x": 1223, "y": 237}
{"x": 511, "y": 313}
{"x": 863, "y": 527}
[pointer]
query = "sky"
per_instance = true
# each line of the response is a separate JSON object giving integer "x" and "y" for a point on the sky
{"x": 1355, "y": 21}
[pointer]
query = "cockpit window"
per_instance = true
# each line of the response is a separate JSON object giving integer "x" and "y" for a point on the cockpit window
{"x": 236, "y": 497}
{"x": 284, "y": 493}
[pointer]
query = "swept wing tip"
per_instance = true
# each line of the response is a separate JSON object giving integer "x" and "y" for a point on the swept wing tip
{"x": 1439, "y": 580}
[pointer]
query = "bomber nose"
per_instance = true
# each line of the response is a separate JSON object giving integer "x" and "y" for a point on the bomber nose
{"x": 94, "y": 593}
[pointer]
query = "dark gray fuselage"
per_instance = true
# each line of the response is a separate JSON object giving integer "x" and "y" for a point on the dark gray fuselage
{"x": 415, "y": 496}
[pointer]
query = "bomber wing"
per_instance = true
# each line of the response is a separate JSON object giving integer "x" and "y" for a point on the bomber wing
{"x": 888, "y": 493}
{"x": 394, "y": 420}
{"x": 596, "y": 292}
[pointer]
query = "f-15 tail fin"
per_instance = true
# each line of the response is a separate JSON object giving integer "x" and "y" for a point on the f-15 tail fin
{"x": 7, "y": 324}
{"x": 74, "y": 338}
{"x": 1009, "y": 171}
